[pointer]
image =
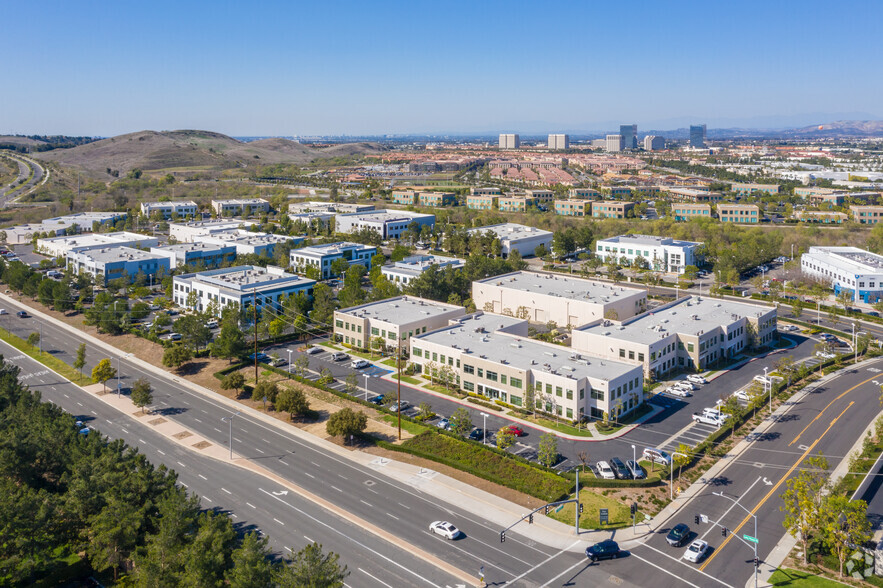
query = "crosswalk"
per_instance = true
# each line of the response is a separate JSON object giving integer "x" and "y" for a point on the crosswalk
{"x": 691, "y": 436}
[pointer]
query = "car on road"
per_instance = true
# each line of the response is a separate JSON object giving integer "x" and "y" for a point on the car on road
{"x": 789, "y": 328}
{"x": 339, "y": 356}
{"x": 678, "y": 535}
{"x": 3, "y": 311}
{"x": 607, "y": 549}
{"x": 359, "y": 364}
{"x": 708, "y": 419}
{"x": 605, "y": 471}
{"x": 697, "y": 550}
{"x": 445, "y": 529}
{"x": 619, "y": 470}
{"x": 399, "y": 406}
{"x": 636, "y": 470}
{"x": 678, "y": 392}
{"x": 477, "y": 434}
{"x": 22, "y": 314}
{"x": 378, "y": 400}
{"x": 516, "y": 430}
{"x": 655, "y": 455}
{"x": 314, "y": 350}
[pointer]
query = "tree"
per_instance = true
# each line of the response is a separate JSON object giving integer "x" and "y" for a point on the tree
{"x": 311, "y": 568}
{"x": 208, "y": 555}
{"x": 103, "y": 371}
{"x": 230, "y": 343}
{"x": 691, "y": 272}
{"x": 802, "y": 501}
{"x": 234, "y": 381}
{"x": 845, "y": 524}
{"x": 176, "y": 356}
{"x": 292, "y": 401}
{"x": 346, "y": 422}
{"x": 323, "y": 305}
{"x": 351, "y": 384}
{"x": 461, "y": 421}
{"x": 193, "y": 331}
{"x": 161, "y": 560}
{"x": 252, "y": 566}
{"x": 113, "y": 533}
{"x": 265, "y": 389}
{"x": 681, "y": 457}
{"x": 142, "y": 393}
{"x": 547, "y": 453}
{"x": 301, "y": 365}
{"x": 339, "y": 266}
{"x": 426, "y": 411}
{"x": 540, "y": 251}
{"x": 505, "y": 438}
{"x": 34, "y": 339}
{"x": 80, "y": 361}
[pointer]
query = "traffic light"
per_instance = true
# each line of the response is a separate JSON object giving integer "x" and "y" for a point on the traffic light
{"x": 530, "y": 519}
{"x": 723, "y": 531}
{"x": 580, "y": 508}
{"x": 547, "y": 509}
{"x": 696, "y": 519}
{"x": 634, "y": 508}
{"x": 756, "y": 562}
{"x": 502, "y": 536}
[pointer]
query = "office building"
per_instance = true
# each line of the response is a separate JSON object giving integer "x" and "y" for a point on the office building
{"x": 487, "y": 191}
{"x": 515, "y": 237}
{"x": 491, "y": 355}
{"x": 320, "y": 219}
{"x": 559, "y": 142}
{"x": 515, "y": 203}
{"x": 662, "y": 254}
{"x": 584, "y": 193}
{"x": 693, "y": 194}
{"x": 193, "y": 231}
{"x": 738, "y": 213}
{"x": 388, "y": 224}
{"x": 71, "y": 224}
{"x": 510, "y": 141}
{"x": 243, "y": 285}
{"x": 166, "y": 210}
{"x": 748, "y": 189}
{"x": 654, "y": 143}
{"x": 847, "y": 269}
{"x": 824, "y": 217}
{"x": 614, "y": 143}
{"x": 611, "y": 209}
{"x": 629, "y": 136}
{"x": 322, "y": 256}
{"x": 572, "y": 207}
{"x": 697, "y": 137}
{"x": 392, "y": 320}
{"x": 692, "y": 333}
{"x": 683, "y": 212}
{"x": 563, "y": 299}
{"x": 866, "y": 215}
{"x": 248, "y": 242}
{"x": 327, "y": 207}
{"x": 402, "y": 272}
{"x": 482, "y": 201}
{"x": 208, "y": 255}
{"x": 60, "y": 246}
{"x": 111, "y": 263}
{"x": 240, "y": 206}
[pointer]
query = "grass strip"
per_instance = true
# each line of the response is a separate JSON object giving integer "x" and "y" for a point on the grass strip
{"x": 46, "y": 359}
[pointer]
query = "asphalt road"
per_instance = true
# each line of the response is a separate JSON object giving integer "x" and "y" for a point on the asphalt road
{"x": 26, "y": 168}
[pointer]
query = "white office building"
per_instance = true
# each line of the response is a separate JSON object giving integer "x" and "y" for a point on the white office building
{"x": 662, "y": 254}
{"x": 110, "y": 263}
{"x": 614, "y": 143}
{"x": 847, "y": 269}
{"x": 389, "y": 224}
{"x": 559, "y": 141}
{"x": 391, "y": 320}
{"x": 491, "y": 355}
{"x": 60, "y": 246}
{"x": 243, "y": 285}
{"x": 240, "y": 206}
{"x": 322, "y": 256}
{"x": 510, "y": 141}
{"x": 192, "y": 231}
{"x": 327, "y": 206}
{"x": 71, "y": 224}
{"x": 247, "y": 242}
{"x": 402, "y": 272}
{"x": 181, "y": 208}
{"x": 209, "y": 255}
{"x": 692, "y": 333}
{"x": 566, "y": 300}
{"x": 515, "y": 237}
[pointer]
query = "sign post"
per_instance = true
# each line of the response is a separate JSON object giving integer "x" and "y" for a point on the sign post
{"x": 603, "y": 513}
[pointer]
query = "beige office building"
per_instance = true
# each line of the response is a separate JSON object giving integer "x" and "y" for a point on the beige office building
{"x": 391, "y": 320}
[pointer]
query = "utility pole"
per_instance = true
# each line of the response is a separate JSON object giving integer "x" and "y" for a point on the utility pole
{"x": 576, "y": 522}
{"x": 255, "y": 315}
{"x": 399, "y": 384}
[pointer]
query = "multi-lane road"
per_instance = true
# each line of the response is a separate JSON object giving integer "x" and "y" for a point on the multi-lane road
{"x": 29, "y": 170}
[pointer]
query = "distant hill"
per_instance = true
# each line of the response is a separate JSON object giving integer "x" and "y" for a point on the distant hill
{"x": 193, "y": 150}
{"x": 841, "y": 128}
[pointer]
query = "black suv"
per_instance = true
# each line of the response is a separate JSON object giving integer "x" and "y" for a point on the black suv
{"x": 678, "y": 535}
{"x": 607, "y": 549}
{"x": 619, "y": 469}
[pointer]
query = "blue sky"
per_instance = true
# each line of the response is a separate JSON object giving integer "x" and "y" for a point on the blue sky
{"x": 340, "y": 67}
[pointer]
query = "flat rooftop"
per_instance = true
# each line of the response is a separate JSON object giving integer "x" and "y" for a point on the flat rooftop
{"x": 479, "y": 335}
{"x": 243, "y": 278}
{"x": 331, "y": 248}
{"x": 111, "y": 254}
{"x": 385, "y": 216}
{"x": 401, "y": 310}
{"x": 851, "y": 259}
{"x": 210, "y": 224}
{"x": 650, "y": 240}
{"x": 244, "y": 237}
{"x": 170, "y": 203}
{"x": 188, "y": 247}
{"x": 562, "y": 286}
{"x": 418, "y": 263}
{"x": 689, "y": 316}
{"x": 512, "y": 231}
{"x": 241, "y": 201}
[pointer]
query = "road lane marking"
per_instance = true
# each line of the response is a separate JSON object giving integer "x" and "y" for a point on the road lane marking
{"x": 774, "y": 488}
{"x": 308, "y": 539}
{"x": 265, "y": 441}
{"x": 207, "y": 498}
{"x": 79, "y": 404}
{"x": 93, "y": 412}
{"x": 237, "y": 440}
{"x": 278, "y": 521}
{"x": 544, "y": 562}
{"x": 404, "y": 506}
{"x": 732, "y": 506}
{"x": 336, "y": 488}
{"x": 161, "y": 452}
{"x": 258, "y": 450}
{"x": 393, "y": 516}
{"x": 182, "y": 465}
{"x": 225, "y": 490}
{"x": 250, "y": 504}
{"x": 368, "y": 504}
{"x": 66, "y": 396}
{"x": 218, "y": 430}
{"x": 375, "y": 578}
{"x": 310, "y": 475}
{"x": 197, "y": 420}
{"x": 818, "y": 416}
{"x": 685, "y": 564}
{"x": 662, "y": 569}
{"x": 203, "y": 477}
{"x": 282, "y": 462}
{"x": 142, "y": 441}
{"x": 124, "y": 431}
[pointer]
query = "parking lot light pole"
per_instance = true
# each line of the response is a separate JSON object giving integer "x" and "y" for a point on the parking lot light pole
{"x": 484, "y": 430}
{"x": 768, "y": 382}
{"x": 229, "y": 420}
{"x": 671, "y": 475}
{"x": 754, "y": 516}
{"x": 289, "y": 363}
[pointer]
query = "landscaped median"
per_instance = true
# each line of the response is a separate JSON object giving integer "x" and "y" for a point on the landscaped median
{"x": 44, "y": 358}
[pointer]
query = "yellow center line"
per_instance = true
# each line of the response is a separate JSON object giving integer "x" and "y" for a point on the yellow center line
{"x": 818, "y": 416}
{"x": 776, "y": 487}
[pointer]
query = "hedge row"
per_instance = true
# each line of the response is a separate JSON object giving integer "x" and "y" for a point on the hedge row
{"x": 649, "y": 482}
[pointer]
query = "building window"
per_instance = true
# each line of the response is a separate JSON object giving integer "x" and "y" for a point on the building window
{"x": 468, "y": 369}
{"x": 492, "y": 376}
{"x": 515, "y": 383}
{"x": 480, "y": 372}
{"x": 339, "y": 323}
{"x": 570, "y": 394}
{"x": 417, "y": 352}
{"x": 502, "y": 378}
{"x": 469, "y": 386}
{"x": 558, "y": 391}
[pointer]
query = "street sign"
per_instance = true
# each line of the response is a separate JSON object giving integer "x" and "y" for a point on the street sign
{"x": 603, "y": 513}
{"x": 749, "y": 538}
{"x": 559, "y": 508}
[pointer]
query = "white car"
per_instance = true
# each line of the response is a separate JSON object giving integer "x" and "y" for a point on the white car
{"x": 445, "y": 529}
{"x": 697, "y": 550}
{"x": 824, "y": 355}
{"x": 3, "y": 311}
{"x": 314, "y": 350}
{"x": 212, "y": 324}
{"x": 605, "y": 471}
{"x": 742, "y": 395}
{"x": 763, "y": 380}
{"x": 696, "y": 379}
{"x": 678, "y": 392}
{"x": 359, "y": 364}
{"x": 685, "y": 385}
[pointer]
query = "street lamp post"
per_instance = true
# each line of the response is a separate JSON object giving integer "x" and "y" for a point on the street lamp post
{"x": 754, "y": 516}
{"x": 634, "y": 455}
{"x": 119, "y": 368}
{"x": 671, "y": 474}
{"x": 768, "y": 382}
{"x": 289, "y": 363}
{"x": 229, "y": 420}
{"x": 366, "y": 386}
{"x": 484, "y": 430}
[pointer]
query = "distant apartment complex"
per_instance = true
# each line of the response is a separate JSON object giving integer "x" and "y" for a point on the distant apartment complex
{"x": 659, "y": 253}
{"x": 510, "y": 141}
{"x": 322, "y": 256}
{"x": 738, "y": 213}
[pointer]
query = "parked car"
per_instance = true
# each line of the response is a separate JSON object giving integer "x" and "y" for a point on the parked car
{"x": 715, "y": 411}
{"x": 742, "y": 395}
{"x": 22, "y": 314}
{"x": 825, "y": 355}
{"x": 686, "y": 385}
{"x": 607, "y": 549}
{"x": 443, "y": 423}
{"x": 763, "y": 380}
{"x": 278, "y": 362}
{"x": 678, "y": 535}
{"x": 339, "y": 356}
{"x": 359, "y": 364}
{"x": 708, "y": 419}
{"x": 477, "y": 434}
{"x": 399, "y": 406}
{"x": 212, "y": 324}
{"x": 314, "y": 350}
{"x": 605, "y": 471}
{"x": 619, "y": 470}
{"x": 378, "y": 400}
{"x": 445, "y": 529}
{"x": 172, "y": 312}
{"x": 697, "y": 379}
{"x": 678, "y": 392}
{"x": 697, "y": 550}
{"x": 3, "y": 311}
{"x": 173, "y": 337}
{"x": 516, "y": 430}
{"x": 655, "y": 455}
{"x": 636, "y": 470}
{"x": 262, "y": 357}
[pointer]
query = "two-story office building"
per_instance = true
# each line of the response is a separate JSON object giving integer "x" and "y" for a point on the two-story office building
{"x": 492, "y": 356}
{"x": 322, "y": 256}
{"x": 515, "y": 237}
{"x": 61, "y": 246}
{"x": 659, "y": 253}
{"x": 388, "y": 224}
{"x": 195, "y": 230}
{"x": 179, "y": 208}
{"x": 584, "y": 193}
{"x": 110, "y": 263}
{"x": 748, "y": 189}
{"x": 402, "y": 272}
{"x": 391, "y": 320}
{"x": 208, "y": 255}
{"x": 573, "y": 207}
{"x": 738, "y": 213}
{"x": 562, "y": 299}
{"x": 249, "y": 243}
{"x": 243, "y": 285}
{"x": 866, "y": 215}
{"x": 684, "y": 212}
{"x": 693, "y": 195}
{"x": 240, "y": 206}
{"x": 482, "y": 201}
{"x": 847, "y": 269}
{"x": 610, "y": 209}
{"x": 824, "y": 217}
{"x": 515, "y": 203}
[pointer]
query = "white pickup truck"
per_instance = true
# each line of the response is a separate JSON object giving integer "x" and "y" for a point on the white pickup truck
{"x": 708, "y": 418}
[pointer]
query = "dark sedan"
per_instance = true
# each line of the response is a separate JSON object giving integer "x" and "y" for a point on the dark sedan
{"x": 607, "y": 549}
{"x": 619, "y": 470}
{"x": 678, "y": 535}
